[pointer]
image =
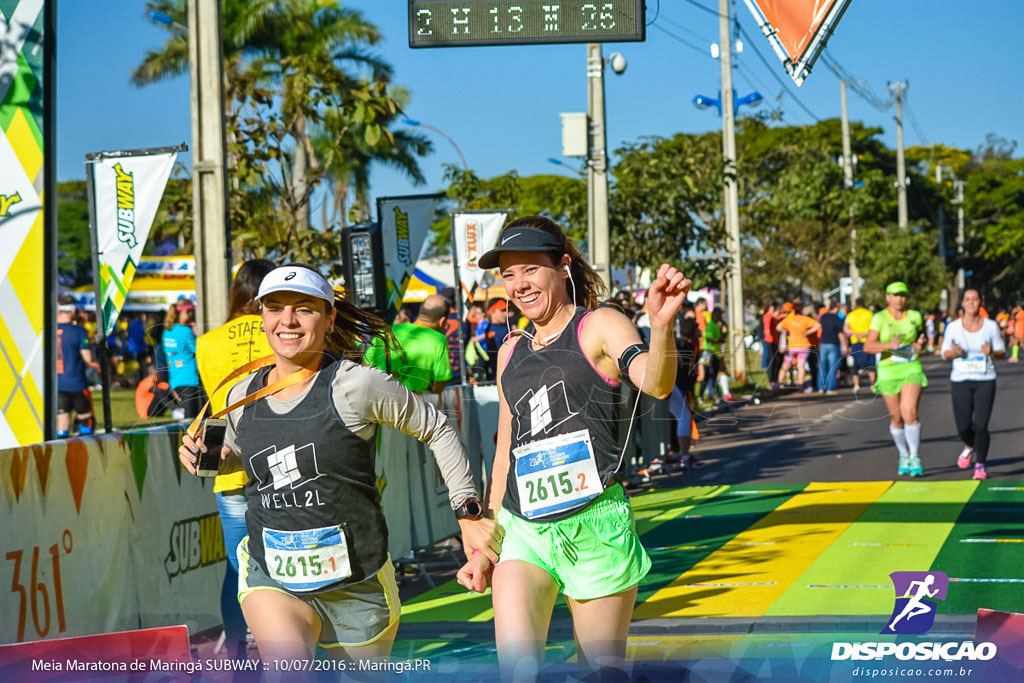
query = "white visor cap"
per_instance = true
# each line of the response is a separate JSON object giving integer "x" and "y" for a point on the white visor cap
{"x": 296, "y": 279}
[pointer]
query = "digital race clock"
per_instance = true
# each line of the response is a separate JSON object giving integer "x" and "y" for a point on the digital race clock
{"x": 453, "y": 23}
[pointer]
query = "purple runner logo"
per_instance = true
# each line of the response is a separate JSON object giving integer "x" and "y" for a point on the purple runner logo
{"x": 916, "y": 593}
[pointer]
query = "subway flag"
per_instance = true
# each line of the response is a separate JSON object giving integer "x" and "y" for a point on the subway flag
{"x": 126, "y": 194}
{"x": 404, "y": 224}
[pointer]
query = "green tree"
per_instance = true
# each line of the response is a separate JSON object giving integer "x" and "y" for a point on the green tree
{"x": 349, "y": 174}
{"x": 901, "y": 254}
{"x": 561, "y": 198}
{"x": 666, "y": 205}
{"x": 994, "y": 222}
{"x": 289, "y": 64}
{"x": 798, "y": 214}
{"x": 173, "y": 220}
{"x": 74, "y": 245}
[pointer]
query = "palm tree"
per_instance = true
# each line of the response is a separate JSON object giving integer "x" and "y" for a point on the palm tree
{"x": 307, "y": 50}
{"x": 350, "y": 172}
{"x": 240, "y": 21}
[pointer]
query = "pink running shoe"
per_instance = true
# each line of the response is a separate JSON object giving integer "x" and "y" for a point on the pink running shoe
{"x": 964, "y": 459}
{"x": 979, "y": 472}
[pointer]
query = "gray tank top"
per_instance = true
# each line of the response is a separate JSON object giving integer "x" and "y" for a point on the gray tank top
{"x": 564, "y": 412}
{"x": 309, "y": 473}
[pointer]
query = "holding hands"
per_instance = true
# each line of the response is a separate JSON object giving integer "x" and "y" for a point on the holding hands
{"x": 481, "y": 537}
{"x": 475, "y": 573}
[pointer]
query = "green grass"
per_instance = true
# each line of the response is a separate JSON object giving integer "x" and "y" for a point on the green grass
{"x": 122, "y": 409}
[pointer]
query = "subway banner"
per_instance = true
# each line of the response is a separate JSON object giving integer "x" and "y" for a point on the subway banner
{"x": 473, "y": 234}
{"x": 27, "y": 260}
{"x": 404, "y": 224}
{"x": 126, "y": 191}
{"x": 797, "y": 30}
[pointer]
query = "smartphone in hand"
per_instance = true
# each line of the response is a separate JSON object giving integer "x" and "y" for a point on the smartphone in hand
{"x": 213, "y": 438}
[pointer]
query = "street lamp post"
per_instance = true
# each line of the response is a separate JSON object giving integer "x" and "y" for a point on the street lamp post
{"x": 419, "y": 124}
{"x": 703, "y": 101}
{"x": 727, "y": 107}
{"x": 558, "y": 162}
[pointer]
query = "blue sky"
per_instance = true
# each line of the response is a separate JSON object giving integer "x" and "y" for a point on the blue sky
{"x": 501, "y": 104}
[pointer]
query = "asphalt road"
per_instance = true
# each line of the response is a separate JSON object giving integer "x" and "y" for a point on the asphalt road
{"x": 811, "y": 437}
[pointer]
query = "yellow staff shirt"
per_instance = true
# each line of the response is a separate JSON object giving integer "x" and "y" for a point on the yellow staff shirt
{"x": 219, "y": 353}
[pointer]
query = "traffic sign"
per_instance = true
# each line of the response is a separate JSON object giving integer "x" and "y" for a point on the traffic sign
{"x": 457, "y": 23}
{"x": 797, "y": 29}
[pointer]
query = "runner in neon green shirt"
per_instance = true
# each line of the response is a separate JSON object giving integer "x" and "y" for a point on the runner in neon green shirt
{"x": 898, "y": 335}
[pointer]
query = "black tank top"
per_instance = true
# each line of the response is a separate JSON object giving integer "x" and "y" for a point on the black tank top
{"x": 308, "y": 471}
{"x": 561, "y": 407}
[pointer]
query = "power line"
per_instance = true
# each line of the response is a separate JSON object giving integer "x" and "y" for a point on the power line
{"x": 706, "y": 9}
{"x": 914, "y": 123}
{"x": 772, "y": 71}
{"x": 856, "y": 84}
{"x": 747, "y": 79}
{"x": 682, "y": 40}
{"x": 753, "y": 46}
{"x": 684, "y": 28}
{"x": 657, "y": 13}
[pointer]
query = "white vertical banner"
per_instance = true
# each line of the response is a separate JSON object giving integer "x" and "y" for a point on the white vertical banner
{"x": 404, "y": 225}
{"x": 127, "y": 188}
{"x": 473, "y": 234}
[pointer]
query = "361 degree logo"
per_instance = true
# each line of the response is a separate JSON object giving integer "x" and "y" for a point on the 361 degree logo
{"x": 916, "y": 595}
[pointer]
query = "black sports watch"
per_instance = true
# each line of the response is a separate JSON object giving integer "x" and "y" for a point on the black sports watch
{"x": 470, "y": 509}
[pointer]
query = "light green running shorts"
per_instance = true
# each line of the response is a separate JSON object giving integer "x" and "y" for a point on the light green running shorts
{"x": 593, "y": 554}
{"x": 891, "y": 377}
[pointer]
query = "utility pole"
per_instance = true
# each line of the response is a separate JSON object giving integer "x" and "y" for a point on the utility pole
{"x": 731, "y": 198}
{"x": 959, "y": 201}
{"x": 944, "y": 294}
{"x": 209, "y": 187}
{"x": 942, "y": 215}
{"x": 598, "y": 242}
{"x": 897, "y": 89}
{"x": 848, "y": 184}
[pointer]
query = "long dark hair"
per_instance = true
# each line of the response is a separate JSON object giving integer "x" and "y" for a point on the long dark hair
{"x": 586, "y": 283}
{"x": 354, "y": 329}
{"x": 245, "y": 287}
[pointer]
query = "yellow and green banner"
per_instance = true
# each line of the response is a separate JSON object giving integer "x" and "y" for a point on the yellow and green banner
{"x": 126, "y": 188}
{"x": 26, "y": 375}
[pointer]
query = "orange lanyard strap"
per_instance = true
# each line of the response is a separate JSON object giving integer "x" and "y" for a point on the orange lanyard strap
{"x": 294, "y": 378}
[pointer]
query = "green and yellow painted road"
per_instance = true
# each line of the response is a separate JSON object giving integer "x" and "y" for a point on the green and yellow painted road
{"x": 767, "y": 551}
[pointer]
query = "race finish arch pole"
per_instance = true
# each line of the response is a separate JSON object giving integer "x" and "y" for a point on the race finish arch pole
{"x": 209, "y": 186}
